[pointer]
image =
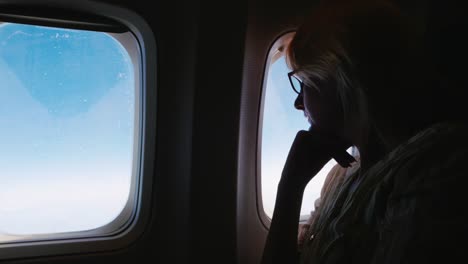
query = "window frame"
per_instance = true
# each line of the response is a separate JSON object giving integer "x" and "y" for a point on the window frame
{"x": 276, "y": 50}
{"x": 106, "y": 18}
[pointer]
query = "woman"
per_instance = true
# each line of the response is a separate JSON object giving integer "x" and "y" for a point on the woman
{"x": 363, "y": 79}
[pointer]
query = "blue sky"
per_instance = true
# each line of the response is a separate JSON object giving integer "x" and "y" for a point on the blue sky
{"x": 281, "y": 122}
{"x": 67, "y": 114}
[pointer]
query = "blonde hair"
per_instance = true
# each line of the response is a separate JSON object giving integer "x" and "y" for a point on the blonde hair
{"x": 360, "y": 45}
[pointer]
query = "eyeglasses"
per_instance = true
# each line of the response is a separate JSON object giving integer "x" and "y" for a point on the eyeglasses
{"x": 295, "y": 82}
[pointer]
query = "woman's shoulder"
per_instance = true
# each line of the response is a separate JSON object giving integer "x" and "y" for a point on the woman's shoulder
{"x": 446, "y": 131}
{"x": 436, "y": 154}
{"x": 439, "y": 142}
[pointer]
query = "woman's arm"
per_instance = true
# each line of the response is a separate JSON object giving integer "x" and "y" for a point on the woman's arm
{"x": 308, "y": 154}
{"x": 281, "y": 244}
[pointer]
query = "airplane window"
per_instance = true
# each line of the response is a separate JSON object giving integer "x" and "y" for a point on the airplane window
{"x": 281, "y": 122}
{"x": 68, "y": 115}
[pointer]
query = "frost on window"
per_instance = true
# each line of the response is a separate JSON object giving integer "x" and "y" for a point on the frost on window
{"x": 67, "y": 114}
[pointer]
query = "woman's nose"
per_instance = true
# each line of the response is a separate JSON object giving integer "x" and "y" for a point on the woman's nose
{"x": 299, "y": 102}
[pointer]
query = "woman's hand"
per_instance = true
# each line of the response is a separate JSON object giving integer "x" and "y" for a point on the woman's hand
{"x": 310, "y": 151}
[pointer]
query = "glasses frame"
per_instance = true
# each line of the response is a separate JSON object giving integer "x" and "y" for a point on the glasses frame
{"x": 290, "y": 76}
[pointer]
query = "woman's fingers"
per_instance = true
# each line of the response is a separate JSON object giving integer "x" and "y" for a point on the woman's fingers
{"x": 343, "y": 158}
{"x": 335, "y": 147}
{"x": 308, "y": 154}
